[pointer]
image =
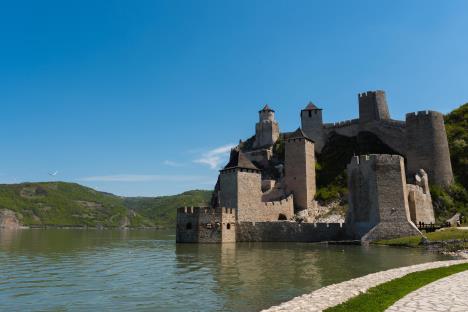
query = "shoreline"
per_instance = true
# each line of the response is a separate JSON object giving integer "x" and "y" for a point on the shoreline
{"x": 332, "y": 295}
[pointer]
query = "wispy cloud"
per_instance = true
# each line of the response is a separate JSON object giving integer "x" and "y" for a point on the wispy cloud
{"x": 144, "y": 178}
{"x": 215, "y": 157}
{"x": 171, "y": 163}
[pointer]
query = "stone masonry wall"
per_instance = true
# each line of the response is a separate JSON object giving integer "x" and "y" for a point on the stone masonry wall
{"x": 427, "y": 146}
{"x": 205, "y": 225}
{"x": 287, "y": 231}
{"x": 271, "y": 211}
{"x": 300, "y": 172}
{"x": 312, "y": 125}
{"x": 266, "y": 133}
{"x": 379, "y": 201}
{"x": 249, "y": 195}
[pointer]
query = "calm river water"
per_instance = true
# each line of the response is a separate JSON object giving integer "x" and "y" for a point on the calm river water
{"x": 143, "y": 270}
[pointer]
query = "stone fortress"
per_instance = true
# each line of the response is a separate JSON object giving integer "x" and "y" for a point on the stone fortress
{"x": 267, "y": 190}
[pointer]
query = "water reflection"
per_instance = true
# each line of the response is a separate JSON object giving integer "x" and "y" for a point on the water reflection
{"x": 146, "y": 271}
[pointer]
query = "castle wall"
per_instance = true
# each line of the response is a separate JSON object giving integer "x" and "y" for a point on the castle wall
{"x": 300, "y": 172}
{"x": 286, "y": 231}
{"x": 205, "y": 225}
{"x": 272, "y": 211}
{"x": 420, "y": 205}
{"x": 390, "y": 132}
{"x": 347, "y": 128}
{"x": 427, "y": 146}
{"x": 378, "y": 202}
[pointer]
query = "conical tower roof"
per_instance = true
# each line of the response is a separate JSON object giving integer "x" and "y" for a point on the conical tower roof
{"x": 298, "y": 134}
{"x": 266, "y": 108}
{"x": 239, "y": 160}
{"x": 310, "y": 106}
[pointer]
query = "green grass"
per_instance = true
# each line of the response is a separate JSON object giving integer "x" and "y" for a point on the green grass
{"x": 414, "y": 241}
{"x": 381, "y": 297}
{"x": 70, "y": 204}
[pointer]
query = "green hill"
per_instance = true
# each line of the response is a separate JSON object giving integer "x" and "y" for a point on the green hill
{"x": 70, "y": 204}
{"x": 162, "y": 210}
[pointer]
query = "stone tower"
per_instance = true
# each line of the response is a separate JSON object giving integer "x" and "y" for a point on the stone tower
{"x": 312, "y": 125}
{"x": 266, "y": 129}
{"x": 240, "y": 186}
{"x": 299, "y": 169}
{"x": 372, "y": 106}
{"x": 427, "y": 147}
{"x": 378, "y": 198}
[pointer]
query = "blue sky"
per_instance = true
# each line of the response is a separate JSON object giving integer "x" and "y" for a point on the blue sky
{"x": 146, "y": 97}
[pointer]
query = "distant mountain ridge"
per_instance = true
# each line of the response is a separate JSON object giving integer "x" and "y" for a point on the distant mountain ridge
{"x": 73, "y": 205}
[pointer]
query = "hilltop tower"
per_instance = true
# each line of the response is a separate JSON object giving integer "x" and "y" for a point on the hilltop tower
{"x": 378, "y": 198}
{"x": 266, "y": 129}
{"x": 312, "y": 125}
{"x": 427, "y": 147}
{"x": 299, "y": 169}
{"x": 240, "y": 186}
{"x": 372, "y": 106}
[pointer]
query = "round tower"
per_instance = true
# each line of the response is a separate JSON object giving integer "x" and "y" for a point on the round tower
{"x": 312, "y": 125}
{"x": 373, "y": 106}
{"x": 427, "y": 147}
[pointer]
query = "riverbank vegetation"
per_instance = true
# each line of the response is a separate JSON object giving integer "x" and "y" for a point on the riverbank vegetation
{"x": 381, "y": 297}
{"x": 446, "y": 240}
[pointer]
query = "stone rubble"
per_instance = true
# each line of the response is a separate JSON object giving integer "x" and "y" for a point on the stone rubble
{"x": 335, "y": 294}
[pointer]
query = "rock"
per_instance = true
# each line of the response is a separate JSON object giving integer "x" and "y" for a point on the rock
{"x": 8, "y": 219}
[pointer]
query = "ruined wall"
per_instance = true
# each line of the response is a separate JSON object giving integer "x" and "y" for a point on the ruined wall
{"x": 420, "y": 205}
{"x": 286, "y": 231}
{"x": 378, "y": 198}
{"x": 300, "y": 171}
{"x": 427, "y": 146}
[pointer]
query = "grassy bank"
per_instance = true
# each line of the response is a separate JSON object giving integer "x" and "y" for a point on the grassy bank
{"x": 381, "y": 297}
{"x": 448, "y": 235}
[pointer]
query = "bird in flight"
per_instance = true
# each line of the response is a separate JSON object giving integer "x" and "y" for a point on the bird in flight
{"x": 53, "y": 173}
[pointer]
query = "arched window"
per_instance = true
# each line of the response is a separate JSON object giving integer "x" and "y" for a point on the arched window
{"x": 188, "y": 226}
{"x": 228, "y": 226}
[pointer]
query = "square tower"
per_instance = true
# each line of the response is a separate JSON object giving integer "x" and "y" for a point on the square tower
{"x": 299, "y": 169}
{"x": 240, "y": 186}
{"x": 378, "y": 198}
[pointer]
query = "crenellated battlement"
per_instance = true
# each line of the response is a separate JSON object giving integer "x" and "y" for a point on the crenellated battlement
{"x": 367, "y": 160}
{"x": 341, "y": 124}
{"x": 422, "y": 114}
{"x": 286, "y": 201}
{"x": 369, "y": 94}
{"x": 190, "y": 210}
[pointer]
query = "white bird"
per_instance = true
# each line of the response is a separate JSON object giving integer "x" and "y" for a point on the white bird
{"x": 53, "y": 173}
